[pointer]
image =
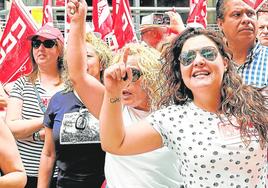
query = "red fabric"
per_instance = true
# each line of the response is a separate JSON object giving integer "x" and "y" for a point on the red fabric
{"x": 103, "y": 184}
{"x": 250, "y": 2}
{"x": 15, "y": 48}
{"x": 47, "y": 12}
{"x": 198, "y": 13}
{"x": 102, "y": 19}
{"x": 60, "y": 2}
{"x": 123, "y": 24}
{"x": 258, "y": 4}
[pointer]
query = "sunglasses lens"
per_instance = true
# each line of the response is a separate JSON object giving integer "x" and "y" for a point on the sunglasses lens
{"x": 136, "y": 74}
{"x": 36, "y": 43}
{"x": 49, "y": 43}
{"x": 210, "y": 53}
{"x": 187, "y": 57}
{"x": 46, "y": 43}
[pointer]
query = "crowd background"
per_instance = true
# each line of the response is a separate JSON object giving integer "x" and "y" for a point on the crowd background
{"x": 245, "y": 39}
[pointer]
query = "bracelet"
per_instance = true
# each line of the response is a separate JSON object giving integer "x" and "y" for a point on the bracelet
{"x": 36, "y": 136}
{"x": 114, "y": 100}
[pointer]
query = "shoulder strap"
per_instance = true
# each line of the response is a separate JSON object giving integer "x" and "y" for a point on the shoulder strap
{"x": 41, "y": 104}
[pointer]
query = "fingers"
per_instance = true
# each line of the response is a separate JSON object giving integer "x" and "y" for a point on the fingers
{"x": 76, "y": 6}
{"x": 72, "y": 6}
{"x": 123, "y": 63}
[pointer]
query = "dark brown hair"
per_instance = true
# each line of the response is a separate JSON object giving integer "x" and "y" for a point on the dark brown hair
{"x": 238, "y": 100}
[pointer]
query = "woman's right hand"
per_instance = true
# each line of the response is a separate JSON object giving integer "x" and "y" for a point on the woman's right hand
{"x": 114, "y": 74}
{"x": 77, "y": 10}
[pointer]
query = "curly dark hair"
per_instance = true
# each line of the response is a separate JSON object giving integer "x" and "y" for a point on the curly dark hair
{"x": 238, "y": 100}
{"x": 220, "y": 9}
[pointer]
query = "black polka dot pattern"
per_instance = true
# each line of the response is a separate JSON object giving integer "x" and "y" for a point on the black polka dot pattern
{"x": 210, "y": 152}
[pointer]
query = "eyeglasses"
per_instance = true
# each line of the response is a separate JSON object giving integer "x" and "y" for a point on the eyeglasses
{"x": 47, "y": 43}
{"x": 136, "y": 74}
{"x": 209, "y": 53}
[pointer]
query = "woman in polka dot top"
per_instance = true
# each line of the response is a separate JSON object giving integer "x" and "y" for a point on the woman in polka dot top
{"x": 216, "y": 126}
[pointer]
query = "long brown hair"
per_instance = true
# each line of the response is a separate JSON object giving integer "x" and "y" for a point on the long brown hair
{"x": 238, "y": 100}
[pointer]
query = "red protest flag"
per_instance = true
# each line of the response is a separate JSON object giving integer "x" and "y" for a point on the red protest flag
{"x": 60, "y": 2}
{"x": 47, "y": 12}
{"x": 102, "y": 19}
{"x": 123, "y": 24}
{"x": 250, "y": 3}
{"x": 198, "y": 14}
{"x": 259, "y": 3}
{"x": 15, "y": 48}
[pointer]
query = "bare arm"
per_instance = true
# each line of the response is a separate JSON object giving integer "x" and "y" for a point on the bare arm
{"x": 20, "y": 128}
{"x": 115, "y": 138}
{"x": 47, "y": 161}
{"x": 10, "y": 161}
{"x": 83, "y": 83}
{"x": 3, "y": 97}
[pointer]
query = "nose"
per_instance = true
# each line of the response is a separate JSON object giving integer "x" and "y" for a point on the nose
{"x": 41, "y": 46}
{"x": 246, "y": 19}
{"x": 265, "y": 29}
{"x": 199, "y": 60}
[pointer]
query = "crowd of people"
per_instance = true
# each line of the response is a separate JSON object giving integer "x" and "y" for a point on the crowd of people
{"x": 184, "y": 107}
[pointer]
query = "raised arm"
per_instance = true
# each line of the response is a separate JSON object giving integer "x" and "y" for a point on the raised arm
{"x": 83, "y": 83}
{"x": 115, "y": 138}
{"x": 10, "y": 162}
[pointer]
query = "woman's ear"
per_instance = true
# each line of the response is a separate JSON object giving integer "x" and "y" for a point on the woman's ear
{"x": 101, "y": 66}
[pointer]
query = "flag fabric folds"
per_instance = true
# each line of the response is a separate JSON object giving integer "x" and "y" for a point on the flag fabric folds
{"x": 47, "y": 12}
{"x": 102, "y": 19}
{"x": 123, "y": 25}
{"x": 15, "y": 48}
{"x": 198, "y": 14}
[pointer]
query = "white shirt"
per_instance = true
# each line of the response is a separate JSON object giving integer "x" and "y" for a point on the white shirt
{"x": 210, "y": 152}
{"x": 156, "y": 169}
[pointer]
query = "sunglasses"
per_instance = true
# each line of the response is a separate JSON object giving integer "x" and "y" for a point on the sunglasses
{"x": 136, "y": 74}
{"x": 209, "y": 53}
{"x": 47, "y": 43}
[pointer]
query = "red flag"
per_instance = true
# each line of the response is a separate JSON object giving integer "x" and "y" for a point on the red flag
{"x": 198, "y": 14}
{"x": 123, "y": 24}
{"x": 258, "y": 4}
{"x": 15, "y": 48}
{"x": 60, "y": 2}
{"x": 102, "y": 19}
{"x": 47, "y": 12}
{"x": 250, "y": 3}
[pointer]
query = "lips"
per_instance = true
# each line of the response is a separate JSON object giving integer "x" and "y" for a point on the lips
{"x": 247, "y": 29}
{"x": 126, "y": 92}
{"x": 200, "y": 73}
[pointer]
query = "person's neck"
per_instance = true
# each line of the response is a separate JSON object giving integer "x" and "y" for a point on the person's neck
{"x": 240, "y": 51}
{"x": 207, "y": 102}
{"x": 49, "y": 78}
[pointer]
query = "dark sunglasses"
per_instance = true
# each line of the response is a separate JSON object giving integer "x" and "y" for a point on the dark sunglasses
{"x": 136, "y": 74}
{"x": 209, "y": 53}
{"x": 47, "y": 43}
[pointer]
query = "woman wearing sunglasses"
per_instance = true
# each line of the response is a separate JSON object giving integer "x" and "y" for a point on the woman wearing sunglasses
{"x": 31, "y": 94}
{"x": 139, "y": 98}
{"x": 215, "y": 125}
{"x": 151, "y": 170}
{"x": 72, "y": 132}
